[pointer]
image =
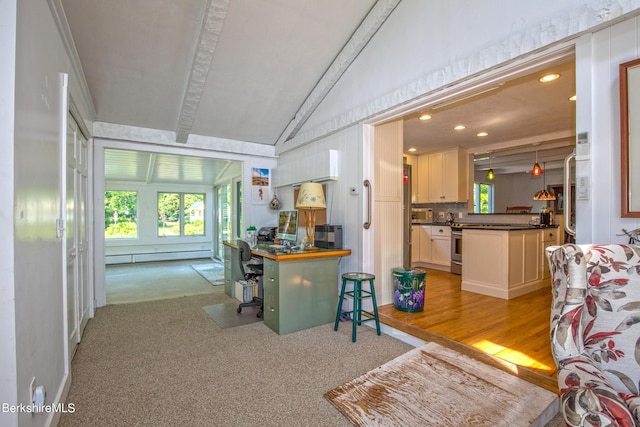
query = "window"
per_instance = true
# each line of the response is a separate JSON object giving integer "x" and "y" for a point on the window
{"x": 120, "y": 215}
{"x": 482, "y": 197}
{"x": 181, "y": 214}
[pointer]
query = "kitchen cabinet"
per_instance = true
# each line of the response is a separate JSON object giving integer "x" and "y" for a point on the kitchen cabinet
{"x": 416, "y": 230}
{"x": 548, "y": 237}
{"x": 441, "y": 245}
{"x": 431, "y": 246}
{"x": 421, "y": 181}
{"x": 441, "y": 177}
{"x": 502, "y": 264}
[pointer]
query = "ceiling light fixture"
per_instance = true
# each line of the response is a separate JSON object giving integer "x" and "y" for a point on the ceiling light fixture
{"x": 412, "y": 150}
{"x": 460, "y": 127}
{"x": 482, "y": 134}
{"x": 424, "y": 117}
{"x": 544, "y": 194}
{"x": 549, "y": 78}
{"x": 537, "y": 170}
{"x": 490, "y": 174}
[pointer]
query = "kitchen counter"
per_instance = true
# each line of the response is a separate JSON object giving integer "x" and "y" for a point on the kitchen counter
{"x": 506, "y": 227}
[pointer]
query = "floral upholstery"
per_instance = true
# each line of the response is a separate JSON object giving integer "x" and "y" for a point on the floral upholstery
{"x": 595, "y": 332}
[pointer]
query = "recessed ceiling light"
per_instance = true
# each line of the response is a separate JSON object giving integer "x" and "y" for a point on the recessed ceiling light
{"x": 549, "y": 78}
{"x": 572, "y": 98}
{"x": 483, "y": 134}
{"x": 424, "y": 117}
{"x": 460, "y": 127}
{"x": 412, "y": 149}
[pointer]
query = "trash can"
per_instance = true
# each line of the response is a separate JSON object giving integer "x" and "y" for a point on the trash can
{"x": 408, "y": 289}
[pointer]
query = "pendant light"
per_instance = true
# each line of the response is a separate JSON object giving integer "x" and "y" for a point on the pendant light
{"x": 544, "y": 194}
{"x": 490, "y": 175}
{"x": 537, "y": 170}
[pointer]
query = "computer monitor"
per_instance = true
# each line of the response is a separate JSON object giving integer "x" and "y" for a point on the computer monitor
{"x": 288, "y": 225}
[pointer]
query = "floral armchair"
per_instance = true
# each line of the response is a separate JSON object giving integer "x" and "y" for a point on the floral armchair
{"x": 595, "y": 332}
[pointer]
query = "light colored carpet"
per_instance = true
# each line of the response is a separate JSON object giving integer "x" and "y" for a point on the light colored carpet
{"x": 226, "y": 315}
{"x": 213, "y": 272}
{"x": 436, "y": 386}
{"x": 166, "y": 363}
{"x": 132, "y": 283}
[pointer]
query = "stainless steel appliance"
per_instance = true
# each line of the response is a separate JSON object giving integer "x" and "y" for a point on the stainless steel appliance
{"x": 422, "y": 215}
{"x": 456, "y": 249}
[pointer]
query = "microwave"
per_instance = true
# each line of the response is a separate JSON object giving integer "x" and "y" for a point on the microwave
{"x": 421, "y": 215}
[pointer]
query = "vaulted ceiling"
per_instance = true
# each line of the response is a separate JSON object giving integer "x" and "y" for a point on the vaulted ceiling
{"x": 255, "y": 70}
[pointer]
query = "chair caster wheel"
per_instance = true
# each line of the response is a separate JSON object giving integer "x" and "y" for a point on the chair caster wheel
{"x": 239, "y": 309}
{"x": 259, "y": 314}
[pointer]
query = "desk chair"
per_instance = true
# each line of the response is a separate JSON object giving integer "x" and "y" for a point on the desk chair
{"x": 250, "y": 271}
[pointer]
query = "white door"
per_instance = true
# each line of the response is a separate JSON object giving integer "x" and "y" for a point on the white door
{"x": 82, "y": 234}
{"x": 76, "y": 234}
{"x": 72, "y": 249}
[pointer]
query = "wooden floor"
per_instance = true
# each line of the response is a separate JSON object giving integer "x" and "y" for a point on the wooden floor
{"x": 515, "y": 331}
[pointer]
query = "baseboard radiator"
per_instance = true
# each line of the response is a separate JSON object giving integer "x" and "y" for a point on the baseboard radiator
{"x": 157, "y": 256}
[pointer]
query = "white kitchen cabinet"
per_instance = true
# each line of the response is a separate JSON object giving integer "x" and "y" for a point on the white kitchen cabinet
{"x": 441, "y": 245}
{"x": 415, "y": 243}
{"x": 548, "y": 237}
{"x": 420, "y": 181}
{"x": 431, "y": 246}
{"x": 424, "y": 237}
{"x": 441, "y": 177}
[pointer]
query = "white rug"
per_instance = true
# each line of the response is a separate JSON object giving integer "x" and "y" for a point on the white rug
{"x": 213, "y": 272}
{"x": 435, "y": 386}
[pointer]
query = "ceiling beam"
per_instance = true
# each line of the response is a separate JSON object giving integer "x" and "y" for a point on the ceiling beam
{"x": 365, "y": 31}
{"x": 215, "y": 13}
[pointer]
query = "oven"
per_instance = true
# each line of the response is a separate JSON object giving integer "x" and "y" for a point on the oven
{"x": 456, "y": 249}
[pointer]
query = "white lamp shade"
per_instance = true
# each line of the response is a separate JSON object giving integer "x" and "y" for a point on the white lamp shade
{"x": 311, "y": 196}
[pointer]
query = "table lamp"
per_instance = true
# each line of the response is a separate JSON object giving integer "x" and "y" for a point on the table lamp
{"x": 310, "y": 199}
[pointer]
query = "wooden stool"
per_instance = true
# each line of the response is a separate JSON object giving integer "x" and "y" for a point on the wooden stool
{"x": 357, "y": 295}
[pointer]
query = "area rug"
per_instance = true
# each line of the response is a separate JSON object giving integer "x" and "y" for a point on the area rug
{"x": 227, "y": 316}
{"x": 213, "y": 272}
{"x": 432, "y": 385}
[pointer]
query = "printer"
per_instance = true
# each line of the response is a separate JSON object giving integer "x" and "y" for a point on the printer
{"x": 266, "y": 235}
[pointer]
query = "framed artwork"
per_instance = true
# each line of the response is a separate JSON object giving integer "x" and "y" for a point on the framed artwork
{"x": 260, "y": 186}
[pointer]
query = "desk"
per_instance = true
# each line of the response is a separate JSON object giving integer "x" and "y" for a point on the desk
{"x": 300, "y": 289}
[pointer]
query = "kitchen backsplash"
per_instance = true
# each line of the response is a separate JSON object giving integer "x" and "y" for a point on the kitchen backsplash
{"x": 460, "y": 214}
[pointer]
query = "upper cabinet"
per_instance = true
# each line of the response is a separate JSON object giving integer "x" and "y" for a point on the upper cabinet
{"x": 442, "y": 177}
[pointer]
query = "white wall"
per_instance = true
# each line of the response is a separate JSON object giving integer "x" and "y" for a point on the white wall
{"x": 424, "y": 53}
{"x": 343, "y": 208}
{"x": 598, "y": 112}
{"x": 8, "y": 354}
{"x": 36, "y": 251}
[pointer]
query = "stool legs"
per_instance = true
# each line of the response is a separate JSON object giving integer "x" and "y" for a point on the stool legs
{"x": 339, "y": 313}
{"x": 357, "y": 295}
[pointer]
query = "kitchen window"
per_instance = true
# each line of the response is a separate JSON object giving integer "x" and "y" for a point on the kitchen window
{"x": 482, "y": 197}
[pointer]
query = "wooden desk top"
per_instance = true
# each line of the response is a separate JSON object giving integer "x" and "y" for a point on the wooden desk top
{"x": 278, "y": 256}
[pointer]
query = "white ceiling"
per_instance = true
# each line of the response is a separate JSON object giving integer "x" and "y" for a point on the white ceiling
{"x": 254, "y": 70}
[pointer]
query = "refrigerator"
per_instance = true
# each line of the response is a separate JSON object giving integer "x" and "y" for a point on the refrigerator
{"x": 406, "y": 215}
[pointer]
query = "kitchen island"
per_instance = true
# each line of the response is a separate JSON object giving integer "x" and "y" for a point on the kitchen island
{"x": 505, "y": 261}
